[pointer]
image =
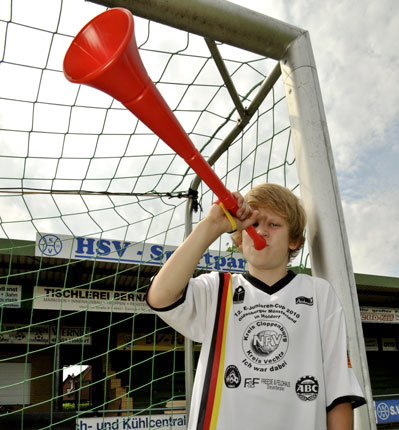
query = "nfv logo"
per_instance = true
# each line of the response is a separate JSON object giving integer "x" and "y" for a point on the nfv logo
{"x": 265, "y": 342}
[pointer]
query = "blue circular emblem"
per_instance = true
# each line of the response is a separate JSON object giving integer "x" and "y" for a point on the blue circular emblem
{"x": 383, "y": 411}
{"x": 50, "y": 245}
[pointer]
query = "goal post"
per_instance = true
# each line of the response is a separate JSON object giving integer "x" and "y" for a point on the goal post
{"x": 326, "y": 232}
{"x": 228, "y": 23}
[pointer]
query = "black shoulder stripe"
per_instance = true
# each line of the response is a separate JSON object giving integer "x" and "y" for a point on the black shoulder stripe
{"x": 355, "y": 401}
{"x": 170, "y": 307}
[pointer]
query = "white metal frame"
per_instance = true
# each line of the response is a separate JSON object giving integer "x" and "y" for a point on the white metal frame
{"x": 222, "y": 21}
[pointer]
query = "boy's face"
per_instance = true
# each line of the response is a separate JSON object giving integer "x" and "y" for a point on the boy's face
{"x": 275, "y": 230}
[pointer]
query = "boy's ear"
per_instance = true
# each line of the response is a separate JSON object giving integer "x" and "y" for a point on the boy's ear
{"x": 294, "y": 245}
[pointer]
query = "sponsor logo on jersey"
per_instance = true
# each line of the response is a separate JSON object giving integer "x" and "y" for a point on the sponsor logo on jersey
{"x": 302, "y": 300}
{"x": 265, "y": 342}
{"x": 268, "y": 383}
{"x": 307, "y": 388}
{"x": 251, "y": 382}
{"x": 239, "y": 295}
{"x": 232, "y": 377}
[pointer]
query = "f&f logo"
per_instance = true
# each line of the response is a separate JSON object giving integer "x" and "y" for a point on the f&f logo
{"x": 251, "y": 382}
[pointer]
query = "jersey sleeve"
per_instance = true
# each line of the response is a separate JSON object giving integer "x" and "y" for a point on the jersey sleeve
{"x": 191, "y": 314}
{"x": 341, "y": 383}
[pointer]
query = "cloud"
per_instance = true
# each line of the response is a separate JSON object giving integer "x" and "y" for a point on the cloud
{"x": 373, "y": 234}
{"x": 357, "y": 65}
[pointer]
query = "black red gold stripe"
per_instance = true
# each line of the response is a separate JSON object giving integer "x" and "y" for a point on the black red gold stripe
{"x": 213, "y": 382}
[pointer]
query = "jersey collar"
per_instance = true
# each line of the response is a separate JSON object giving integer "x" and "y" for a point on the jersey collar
{"x": 270, "y": 289}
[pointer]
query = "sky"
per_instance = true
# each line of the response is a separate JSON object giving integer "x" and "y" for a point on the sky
{"x": 357, "y": 58}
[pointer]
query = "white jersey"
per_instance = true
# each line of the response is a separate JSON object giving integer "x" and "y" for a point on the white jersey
{"x": 272, "y": 357}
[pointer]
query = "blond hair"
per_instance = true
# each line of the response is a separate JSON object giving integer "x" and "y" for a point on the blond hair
{"x": 284, "y": 203}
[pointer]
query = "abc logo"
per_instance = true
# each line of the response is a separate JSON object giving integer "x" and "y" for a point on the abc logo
{"x": 307, "y": 388}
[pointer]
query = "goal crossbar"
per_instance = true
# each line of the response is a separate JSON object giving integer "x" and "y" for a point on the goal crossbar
{"x": 217, "y": 20}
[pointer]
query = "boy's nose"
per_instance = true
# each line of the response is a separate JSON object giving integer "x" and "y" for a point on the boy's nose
{"x": 262, "y": 230}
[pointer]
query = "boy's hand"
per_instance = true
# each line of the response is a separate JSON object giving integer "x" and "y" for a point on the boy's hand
{"x": 244, "y": 210}
{"x": 244, "y": 216}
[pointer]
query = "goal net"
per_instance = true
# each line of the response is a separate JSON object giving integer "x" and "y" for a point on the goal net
{"x": 92, "y": 203}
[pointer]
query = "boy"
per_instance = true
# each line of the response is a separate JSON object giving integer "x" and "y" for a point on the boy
{"x": 273, "y": 350}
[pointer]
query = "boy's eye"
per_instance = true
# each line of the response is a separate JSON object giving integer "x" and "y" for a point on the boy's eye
{"x": 255, "y": 224}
